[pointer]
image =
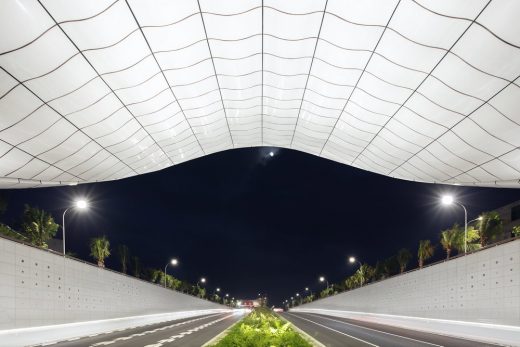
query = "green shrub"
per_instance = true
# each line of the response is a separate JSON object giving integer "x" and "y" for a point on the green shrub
{"x": 262, "y": 328}
{"x": 7, "y": 231}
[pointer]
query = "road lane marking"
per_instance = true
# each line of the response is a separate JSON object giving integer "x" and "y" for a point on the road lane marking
{"x": 379, "y": 331}
{"x": 339, "y": 332}
{"x": 147, "y": 332}
{"x": 188, "y": 332}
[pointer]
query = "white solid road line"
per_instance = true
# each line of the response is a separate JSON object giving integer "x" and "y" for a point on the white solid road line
{"x": 147, "y": 332}
{"x": 339, "y": 332}
{"x": 379, "y": 331}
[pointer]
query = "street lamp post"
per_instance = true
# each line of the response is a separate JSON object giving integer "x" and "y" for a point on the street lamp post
{"x": 81, "y": 204}
{"x": 323, "y": 279}
{"x": 353, "y": 260}
{"x": 173, "y": 262}
{"x": 202, "y": 280}
{"x": 308, "y": 290}
{"x": 448, "y": 200}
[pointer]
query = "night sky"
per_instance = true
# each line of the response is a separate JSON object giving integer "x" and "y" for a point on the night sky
{"x": 254, "y": 224}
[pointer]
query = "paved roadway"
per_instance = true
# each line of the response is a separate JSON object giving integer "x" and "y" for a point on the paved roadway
{"x": 188, "y": 332}
{"x": 344, "y": 332}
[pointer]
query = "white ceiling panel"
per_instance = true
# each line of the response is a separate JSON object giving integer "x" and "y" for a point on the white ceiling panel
{"x": 421, "y": 90}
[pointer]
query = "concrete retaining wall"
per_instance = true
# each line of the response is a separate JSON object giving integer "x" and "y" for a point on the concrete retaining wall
{"x": 481, "y": 288}
{"x": 40, "y": 288}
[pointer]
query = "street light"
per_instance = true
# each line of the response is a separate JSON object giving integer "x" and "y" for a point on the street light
{"x": 353, "y": 260}
{"x": 172, "y": 262}
{"x": 323, "y": 279}
{"x": 449, "y": 200}
{"x": 80, "y": 204}
{"x": 307, "y": 290}
{"x": 479, "y": 218}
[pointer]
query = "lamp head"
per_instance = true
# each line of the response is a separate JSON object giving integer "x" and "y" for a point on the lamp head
{"x": 322, "y": 279}
{"x": 351, "y": 260}
{"x": 447, "y": 200}
{"x": 202, "y": 280}
{"x": 174, "y": 262}
{"x": 81, "y": 204}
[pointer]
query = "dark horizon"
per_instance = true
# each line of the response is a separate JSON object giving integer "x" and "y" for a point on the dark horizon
{"x": 251, "y": 223}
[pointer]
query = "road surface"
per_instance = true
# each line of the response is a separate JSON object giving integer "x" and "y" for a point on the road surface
{"x": 344, "y": 332}
{"x": 188, "y": 332}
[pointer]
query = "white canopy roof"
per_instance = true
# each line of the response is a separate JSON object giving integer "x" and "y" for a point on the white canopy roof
{"x": 102, "y": 90}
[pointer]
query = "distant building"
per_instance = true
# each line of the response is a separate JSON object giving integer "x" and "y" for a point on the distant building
{"x": 510, "y": 215}
{"x": 248, "y": 303}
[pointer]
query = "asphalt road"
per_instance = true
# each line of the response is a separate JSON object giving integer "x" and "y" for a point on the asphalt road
{"x": 188, "y": 332}
{"x": 343, "y": 332}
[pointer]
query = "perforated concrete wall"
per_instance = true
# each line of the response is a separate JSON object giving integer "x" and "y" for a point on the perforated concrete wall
{"x": 39, "y": 288}
{"x": 483, "y": 287}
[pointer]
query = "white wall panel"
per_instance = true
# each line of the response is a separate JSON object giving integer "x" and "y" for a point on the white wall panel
{"x": 39, "y": 288}
{"x": 480, "y": 288}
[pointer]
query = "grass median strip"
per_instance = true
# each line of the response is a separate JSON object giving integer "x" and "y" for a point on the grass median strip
{"x": 262, "y": 328}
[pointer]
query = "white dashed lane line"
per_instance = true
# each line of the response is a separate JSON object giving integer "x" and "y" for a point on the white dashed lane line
{"x": 148, "y": 332}
{"x": 188, "y": 332}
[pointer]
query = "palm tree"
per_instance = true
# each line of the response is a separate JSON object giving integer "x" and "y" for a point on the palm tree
{"x": 123, "y": 253}
{"x": 403, "y": 257}
{"x": 100, "y": 249}
{"x": 136, "y": 263}
{"x": 38, "y": 225}
{"x": 351, "y": 282}
{"x": 156, "y": 276}
{"x": 185, "y": 287}
{"x": 489, "y": 227}
{"x": 380, "y": 271}
{"x": 425, "y": 251}
{"x": 201, "y": 292}
{"x": 450, "y": 238}
{"x": 364, "y": 274}
{"x": 473, "y": 240}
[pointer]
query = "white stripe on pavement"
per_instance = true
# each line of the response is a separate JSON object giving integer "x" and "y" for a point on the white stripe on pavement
{"x": 188, "y": 332}
{"x": 339, "y": 332}
{"x": 124, "y": 338}
{"x": 379, "y": 331}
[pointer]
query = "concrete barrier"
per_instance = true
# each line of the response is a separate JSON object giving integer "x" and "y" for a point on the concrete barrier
{"x": 42, "y": 292}
{"x": 475, "y": 296}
